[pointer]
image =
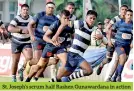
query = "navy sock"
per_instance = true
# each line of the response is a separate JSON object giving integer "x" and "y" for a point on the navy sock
{"x": 28, "y": 79}
{"x": 120, "y": 69}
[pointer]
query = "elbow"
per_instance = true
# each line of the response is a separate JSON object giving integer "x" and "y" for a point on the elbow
{"x": 10, "y": 28}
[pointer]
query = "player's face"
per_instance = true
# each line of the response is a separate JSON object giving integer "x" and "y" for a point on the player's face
{"x": 24, "y": 11}
{"x": 129, "y": 16}
{"x": 100, "y": 26}
{"x": 90, "y": 19}
{"x": 106, "y": 21}
{"x": 70, "y": 8}
{"x": 123, "y": 10}
{"x": 64, "y": 18}
{"x": 49, "y": 10}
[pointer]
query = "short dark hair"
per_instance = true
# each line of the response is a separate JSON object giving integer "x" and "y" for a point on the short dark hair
{"x": 50, "y": 3}
{"x": 129, "y": 10}
{"x": 24, "y": 5}
{"x": 107, "y": 18}
{"x": 91, "y": 12}
{"x": 99, "y": 23}
{"x": 70, "y": 3}
{"x": 124, "y": 6}
{"x": 65, "y": 12}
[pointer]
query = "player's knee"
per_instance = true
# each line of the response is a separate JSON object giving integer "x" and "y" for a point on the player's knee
{"x": 29, "y": 58}
{"x": 89, "y": 72}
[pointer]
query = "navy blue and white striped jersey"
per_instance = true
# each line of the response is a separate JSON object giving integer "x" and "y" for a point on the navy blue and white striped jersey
{"x": 18, "y": 21}
{"x": 42, "y": 20}
{"x": 124, "y": 33}
{"x": 82, "y": 37}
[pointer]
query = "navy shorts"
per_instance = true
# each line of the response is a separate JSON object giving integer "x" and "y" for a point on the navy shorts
{"x": 122, "y": 49}
{"x": 18, "y": 48}
{"x": 73, "y": 61}
{"x": 39, "y": 44}
{"x": 50, "y": 50}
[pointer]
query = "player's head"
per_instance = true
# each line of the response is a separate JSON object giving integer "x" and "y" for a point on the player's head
{"x": 24, "y": 10}
{"x": 70, "y": 7}
{"x": 99, "y": 25}
{"x": 129, "y": 15}
{"x": 50, "y": 6}
{"x": 107, "y": 20}
{"x": 91, "y": 17}
{"x": 65, "y": 14}
{"x": 123, "y": 10}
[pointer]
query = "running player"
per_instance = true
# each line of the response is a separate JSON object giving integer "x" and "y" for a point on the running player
{"x": 123, "y": 41}
{"x": 71, "y": 8}
{"x": 42, "y": 21}
{"x": 110, "y": 47}
{"x": 20, "y": 41}
{"x": 53, "y": 47}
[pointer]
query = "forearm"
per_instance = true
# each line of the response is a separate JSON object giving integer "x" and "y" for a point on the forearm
{"x": 60, "y": 29}
{"x": 31, "y": 30}
{"x": 13, "y": 29}
{"x": 47, "y": 39}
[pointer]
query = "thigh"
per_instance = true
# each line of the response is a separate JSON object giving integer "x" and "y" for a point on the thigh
{"x": 38, "y": 45}
{"x": 16, "y": 57}
{"x": 63, "y": 58}
{"x": 27, "y": 51}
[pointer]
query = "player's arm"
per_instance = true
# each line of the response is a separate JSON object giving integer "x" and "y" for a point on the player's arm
{"x": 109, "y": 34}
{"x": 60, "y": 29}
{"x": 31, "y": 29}
{"x": 13, "y": 27}
{"x": 47, "y": 35}
{"x": 52, "y": 29}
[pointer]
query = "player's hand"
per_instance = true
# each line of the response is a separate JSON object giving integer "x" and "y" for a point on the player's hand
{"x": 45, "y": 28}
{"x": 98, "y": 36}
{"x": 64, "y": 22}
{"x": 55, "y": 40}
{"x": 25, "y": 31}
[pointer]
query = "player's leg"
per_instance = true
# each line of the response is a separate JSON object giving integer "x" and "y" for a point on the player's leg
{"x": 37, "y": 51}
{"x": 16, "y": 52}
{"x": 122, "y": 52}
{"x": 42, "y": 64}
{"x": 86, "y": 71}
{"x": 113, "y": 69}
{"x": 108, "y": 59}
{"x": 28, "y": 54}
{"x": 53, "y": 65}
{"x": 35, "y": 68}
